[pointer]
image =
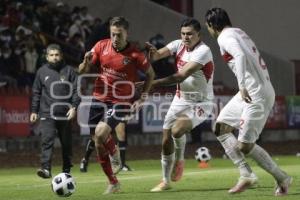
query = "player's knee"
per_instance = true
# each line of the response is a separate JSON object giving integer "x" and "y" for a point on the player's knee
{"x": 222, "y": 129}
{"x": 245, "y": 148}
{"x": 102, "y": 131}
{"x": 166, "y": 141}
{"x": 218, "y": 129}
{"x": 177, "y": 132}
{"x": 181, "y": 128}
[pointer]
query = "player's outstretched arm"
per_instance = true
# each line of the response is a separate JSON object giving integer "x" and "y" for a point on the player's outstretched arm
{"x": 155, "y": 54}
{"x": 188, "y": 69}
{"x": 147, "y": 84}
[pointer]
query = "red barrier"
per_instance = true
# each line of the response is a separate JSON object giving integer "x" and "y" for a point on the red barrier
{"x": 14, "y": 116}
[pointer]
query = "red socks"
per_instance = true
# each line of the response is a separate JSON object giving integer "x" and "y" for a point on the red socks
{"x": 110, "y": 145}
{"x": 106, "y": 166}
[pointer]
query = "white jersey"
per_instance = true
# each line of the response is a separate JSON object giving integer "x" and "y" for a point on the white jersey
{"x": 244, "y": 59}
{"x": 198, "y": 86}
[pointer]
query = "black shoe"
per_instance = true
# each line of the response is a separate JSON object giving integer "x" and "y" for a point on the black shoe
{"x": 126, "y": 168}
{"x": 83, "y": 165}
{"x": 67, "y": 169}
{"x": 44, "y": 173}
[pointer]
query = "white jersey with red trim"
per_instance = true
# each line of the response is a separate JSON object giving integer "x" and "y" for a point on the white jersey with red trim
{"x": 245, "y": 61}
{"x": 198, "y": 86}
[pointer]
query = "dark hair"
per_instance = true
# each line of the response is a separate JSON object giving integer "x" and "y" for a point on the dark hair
{"x": 191, "y": 22}
{"x": 53, "y": 47}
{"x": 217, "y": 18}
{"x": 119, "y": 21}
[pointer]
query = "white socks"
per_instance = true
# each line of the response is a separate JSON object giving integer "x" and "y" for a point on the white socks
{"x": 167, "y": 164}
{"x": 230, "y": 144}
{"x": 264, "y": 160}
{"x": 179, "y": 145}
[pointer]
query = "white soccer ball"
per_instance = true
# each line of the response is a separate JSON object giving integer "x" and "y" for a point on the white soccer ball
{"x": 202, "y": 154}
{"x": 63, "y": 185}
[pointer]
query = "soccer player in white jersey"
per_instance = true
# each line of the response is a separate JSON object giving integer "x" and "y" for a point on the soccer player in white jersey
{"x": 248, "y": 110}
{"x": 192, "y": 103}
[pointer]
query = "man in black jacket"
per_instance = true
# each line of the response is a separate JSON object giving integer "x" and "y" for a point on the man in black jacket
{"x": 54, "y": 103}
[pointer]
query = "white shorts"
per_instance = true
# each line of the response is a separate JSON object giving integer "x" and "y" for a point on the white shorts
{"x": 249, "y": 118}
{"x": 197, "y": 112}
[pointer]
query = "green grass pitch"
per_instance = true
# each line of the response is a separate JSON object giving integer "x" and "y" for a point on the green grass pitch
{"x": 197, "y": 184}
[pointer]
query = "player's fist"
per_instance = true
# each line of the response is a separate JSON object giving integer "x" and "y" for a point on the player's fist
{"x": 152, "y": 50}
{"x": 88, "y": 56}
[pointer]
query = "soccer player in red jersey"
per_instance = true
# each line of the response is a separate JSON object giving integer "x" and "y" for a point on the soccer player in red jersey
{"x": 118, "y": 62}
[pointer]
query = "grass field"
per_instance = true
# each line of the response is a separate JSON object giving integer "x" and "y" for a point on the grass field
{"x": 197, "y": 184}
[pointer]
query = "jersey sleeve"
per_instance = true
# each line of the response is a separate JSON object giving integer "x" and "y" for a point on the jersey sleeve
{"x": 201, "y": 56}
{"x": 233, "y": 47}
{"x": 174, "y": 46}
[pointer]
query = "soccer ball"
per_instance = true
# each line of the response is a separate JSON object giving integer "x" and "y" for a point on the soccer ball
{"x": 202, "y": 154}
{"x": 63, "y": 185}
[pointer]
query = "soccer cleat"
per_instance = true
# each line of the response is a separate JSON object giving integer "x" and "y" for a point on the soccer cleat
{"x": 177, "y": 170}
{"x": 112, "y": 188}
{"x": 126, "y": 168}
{"x": 243, "y": 184}
{"x": 283, "y": 187}
{"x": 67, "y": 169}
{"x": 116, "y": 163}
{"x": 44, "y": 173}
{"x": 83, "y": 165}
{"x": 161, "y": 187}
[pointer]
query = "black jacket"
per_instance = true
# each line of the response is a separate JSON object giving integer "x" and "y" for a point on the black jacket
{"x": 52, "y": 89}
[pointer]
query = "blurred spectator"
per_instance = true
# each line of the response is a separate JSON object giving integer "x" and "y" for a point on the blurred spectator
{"x": 10, "y": 67}
{"x": 61, "y": 32}
{"x": 31, "y": 58}
{"x": 5, "y": 77}
{"x": 163, "y": 67}
{"x": 86, "y": 27}
{"x": 76, "y": 28}
{"x": 77, "y": 41}
{"x": 84, "y": 15}
{"x": 44, "y": 17}
{"x": 6, "y": 37}
{"x": 11, "y": 18}
{"x": 25, "y": 26}
{"x": 75, "y": 13}
{"x": 99, "y": 32}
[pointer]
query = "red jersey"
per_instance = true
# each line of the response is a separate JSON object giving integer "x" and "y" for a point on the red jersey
{"x": 118, "y": 71}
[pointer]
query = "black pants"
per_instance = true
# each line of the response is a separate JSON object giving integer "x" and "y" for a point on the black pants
{"x": 50, "y": 129}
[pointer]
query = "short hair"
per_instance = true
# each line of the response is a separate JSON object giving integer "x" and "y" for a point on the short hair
{"x": 191, "y": 22}
{"x": 53, "y": 47}
{"x": 217, "y": 18}
{"x": 119, "y": 21}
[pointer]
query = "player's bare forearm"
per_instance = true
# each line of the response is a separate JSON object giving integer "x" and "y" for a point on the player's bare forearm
{"x": 155, "y": 54}
{"x": 84, "y": 67}
{"x": 148, "y": 83}
{"x": 188, "y": 69}
{"x": 169, "y": 80}
{"x": 86, "y": 64}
